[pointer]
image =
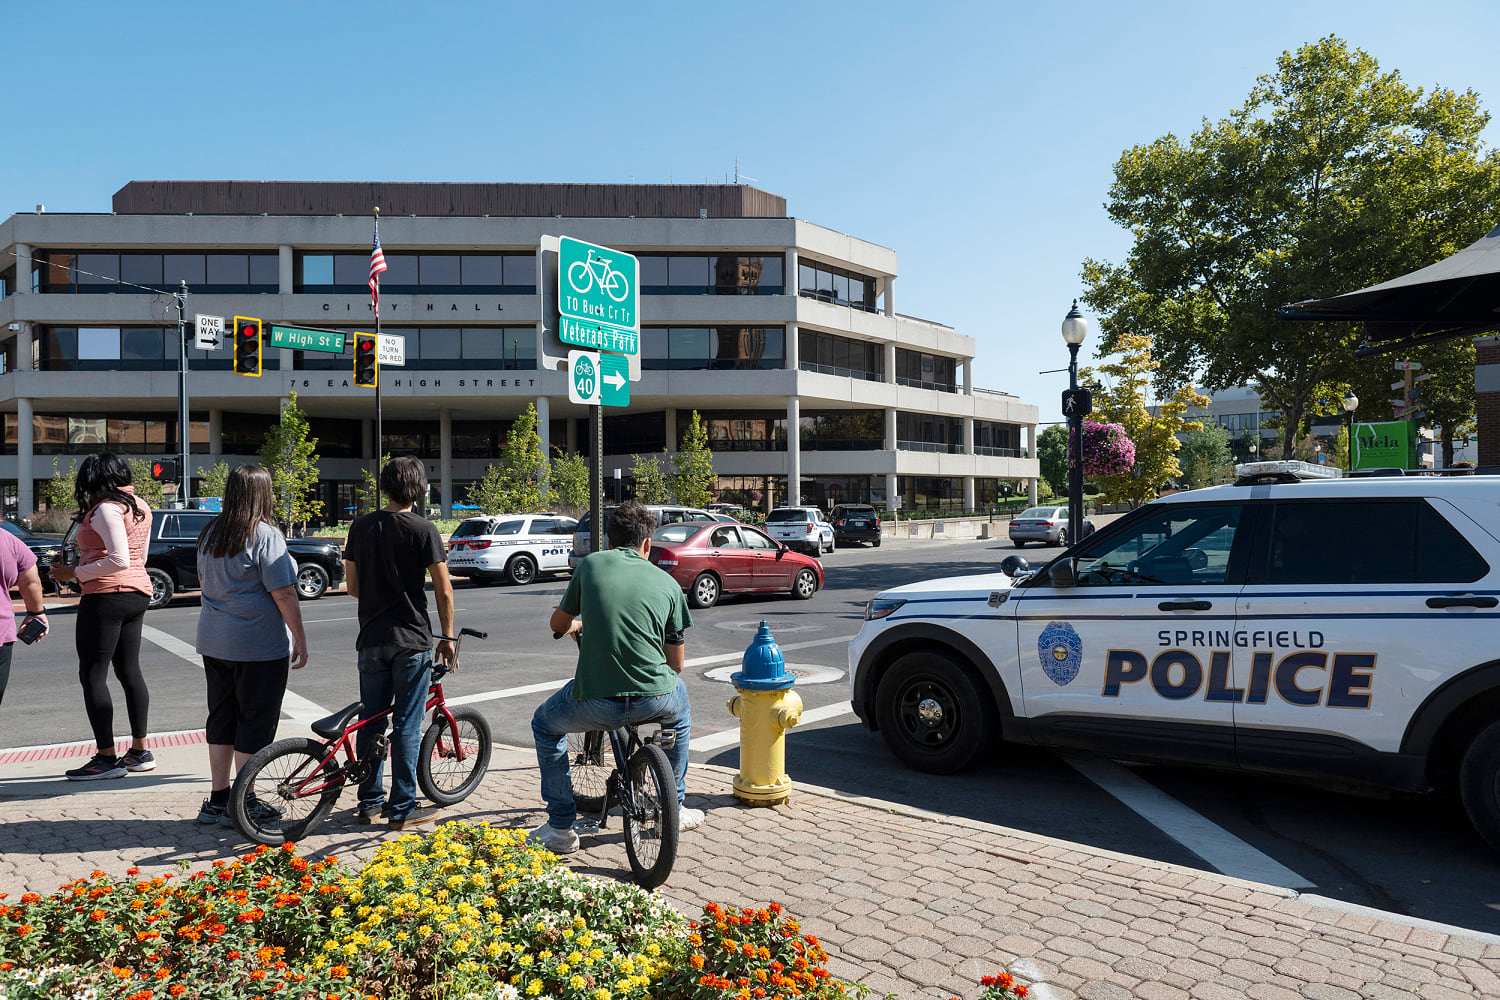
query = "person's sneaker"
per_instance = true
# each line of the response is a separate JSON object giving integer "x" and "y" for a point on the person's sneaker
{"x": 689, "y": 819}
{"x": 420, "y": 816}
{"x": 213, "y": 813}
{"x": 367, "y": 817}
{"x": 138, "y": 760}
{"x": 103, "y": 765}
{"x": 555, "y": 840}
{"x": 262, "y": 812}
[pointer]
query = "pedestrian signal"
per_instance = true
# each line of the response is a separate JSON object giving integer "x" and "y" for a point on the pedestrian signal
{"x": 366, "y": 361}
{"x": 247, "y": 354}
{"x": 164, "y": 471}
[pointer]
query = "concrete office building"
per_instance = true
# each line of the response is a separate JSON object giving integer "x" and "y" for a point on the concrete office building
{"x": 782, "y": 334}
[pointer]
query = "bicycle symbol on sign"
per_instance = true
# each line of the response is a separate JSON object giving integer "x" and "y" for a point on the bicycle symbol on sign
{"x": 584, "y": 377}
{"x": 583, "y": 274}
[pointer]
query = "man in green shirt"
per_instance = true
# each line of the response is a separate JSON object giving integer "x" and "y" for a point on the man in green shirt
{"x": 630, "y": 661}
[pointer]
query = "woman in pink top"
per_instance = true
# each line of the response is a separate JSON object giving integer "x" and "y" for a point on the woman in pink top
{"x": 114, "y": 528}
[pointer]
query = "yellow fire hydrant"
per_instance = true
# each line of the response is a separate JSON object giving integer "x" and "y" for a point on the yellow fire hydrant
{"x": 767, "y": 707}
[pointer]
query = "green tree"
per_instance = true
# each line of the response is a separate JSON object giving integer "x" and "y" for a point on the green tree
{"x": 1330, "y": 177}
{"x": 570, "y": 480}
{"x": 57, "y": 492}
{"x": 695, "y": 478}
{"x": 367, "y": 495}
{"x": 1203, "y": 454}
{"x": 650, "y": 482}
{"x": 1122, "y": 401}
{"x": 212, "y": 482}
{"x": 1052, "y": 453}
{"x": 147, "y": 488}
{"x": 491, "y": 494}
{"x": 523, "y": 466}
{"x": 291, "y": 457}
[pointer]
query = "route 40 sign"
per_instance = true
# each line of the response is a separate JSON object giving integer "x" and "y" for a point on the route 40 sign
{"x": 598, "y": 297}
{"x": 598, "y": 379}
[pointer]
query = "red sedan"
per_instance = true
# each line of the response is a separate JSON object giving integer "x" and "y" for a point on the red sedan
{"x": 710, "y": 559}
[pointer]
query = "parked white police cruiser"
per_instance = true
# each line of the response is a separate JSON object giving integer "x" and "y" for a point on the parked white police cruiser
{"x": 513, "y": 547}
{"x": 1290, "y": 623}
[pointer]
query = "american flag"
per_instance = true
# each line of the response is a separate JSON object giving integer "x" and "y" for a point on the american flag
{"x": 377, "y": 264}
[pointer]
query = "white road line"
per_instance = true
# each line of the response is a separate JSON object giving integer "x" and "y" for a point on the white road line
{"x": 703, "y": 661}
{"x": 1211, "y": 842}
{"x": 496, "y": 695}
{"x": 729, "y": 737}
{"x": 172, "y": 644}
{"x": 318, "y": 621}
{"x": 299, "y": 709}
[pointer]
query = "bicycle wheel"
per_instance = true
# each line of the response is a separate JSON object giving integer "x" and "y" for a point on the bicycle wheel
{"x": 651, "y": 822}
{"x": 616, "y": 285}
{"x": 444, "y": 778}
{"x": 584, "y": 272}
{"x": 590, "y": 760}
{"x": 284, "y": 791}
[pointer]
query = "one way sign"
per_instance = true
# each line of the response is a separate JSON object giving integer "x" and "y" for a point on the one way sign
{"x": 210, "y": 332}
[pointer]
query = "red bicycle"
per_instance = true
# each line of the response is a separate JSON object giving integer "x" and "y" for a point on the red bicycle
{"x": 289, "y": 787}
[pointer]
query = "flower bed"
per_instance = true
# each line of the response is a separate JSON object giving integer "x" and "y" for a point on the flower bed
{"x": 462, "y": 913}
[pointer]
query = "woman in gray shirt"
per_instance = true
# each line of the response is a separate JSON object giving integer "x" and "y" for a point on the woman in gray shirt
{"x": 250, "y": 620}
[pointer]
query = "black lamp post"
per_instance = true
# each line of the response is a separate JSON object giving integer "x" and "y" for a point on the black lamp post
{"x": 1075, "y": 406}
{"x": 1351, "y": 403}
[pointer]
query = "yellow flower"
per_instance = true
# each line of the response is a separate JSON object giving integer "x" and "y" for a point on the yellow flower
{"x": 330, "y": 945}
{"x": 534, "y": 987}
{"x": 383, "y": 946}
{"x": 424, "y": 930}
{"x": 524, "y": 961}
{"x": 576, "y": 982}
{"x": 563, "y": 969}
{"x": 601, "y": 994}
{"x": 400, "y": 935}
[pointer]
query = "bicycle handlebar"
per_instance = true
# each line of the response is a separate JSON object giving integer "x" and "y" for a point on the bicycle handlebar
{"x": 474, "y": 632}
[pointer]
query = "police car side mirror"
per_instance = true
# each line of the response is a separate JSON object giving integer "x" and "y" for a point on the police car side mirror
{"x": 1014, "y": 566}
{"x": 1060, "y": 574}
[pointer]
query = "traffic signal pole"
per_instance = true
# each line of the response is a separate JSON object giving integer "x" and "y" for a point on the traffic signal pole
{"x": 184, "y": 474}
{"x": 596, "y": 478}
{"x": 379, "y": 439}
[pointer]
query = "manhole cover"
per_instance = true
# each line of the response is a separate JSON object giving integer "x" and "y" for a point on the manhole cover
{"x": 806, "y": 673}
{"x": 777, "y": 628}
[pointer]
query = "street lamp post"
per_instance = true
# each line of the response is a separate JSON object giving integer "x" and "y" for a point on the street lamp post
{"x": 1351, "y": 403}
{"x": 1074, "y": 329}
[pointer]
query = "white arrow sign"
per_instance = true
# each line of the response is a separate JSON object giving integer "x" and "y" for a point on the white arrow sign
{"x": 614, "y": 379}
{"x": 210, "y": 333}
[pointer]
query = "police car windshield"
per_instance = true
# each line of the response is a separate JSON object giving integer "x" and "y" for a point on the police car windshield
{"x": 788, "y": 514}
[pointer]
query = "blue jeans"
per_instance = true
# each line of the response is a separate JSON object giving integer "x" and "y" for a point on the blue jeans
{"x": 560, "y": 715}
{"x": 393, "y": 675}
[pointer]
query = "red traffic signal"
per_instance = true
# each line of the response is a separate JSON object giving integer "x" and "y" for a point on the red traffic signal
{"x": 366, "y": 362}
{"x": 247, "y": 346}
{"x": 164, "y": 471}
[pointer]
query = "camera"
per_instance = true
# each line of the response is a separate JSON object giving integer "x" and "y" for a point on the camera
{"x": 15, "y": 326}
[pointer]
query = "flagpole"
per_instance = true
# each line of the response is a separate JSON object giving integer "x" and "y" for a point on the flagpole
{"x": 379, "y": 437}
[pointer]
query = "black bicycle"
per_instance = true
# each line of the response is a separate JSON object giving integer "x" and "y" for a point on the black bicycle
{"x": 640, "y": 782}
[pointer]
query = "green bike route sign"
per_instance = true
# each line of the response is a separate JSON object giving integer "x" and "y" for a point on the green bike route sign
{"x": 297, "y": 338}
{"x": 598, "y": 297}
{"x": 598, "y": 379}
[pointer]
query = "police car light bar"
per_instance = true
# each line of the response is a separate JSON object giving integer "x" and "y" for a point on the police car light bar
{"x": 1296, "y": 470}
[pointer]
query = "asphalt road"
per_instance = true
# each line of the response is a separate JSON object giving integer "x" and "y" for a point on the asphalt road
{"x": 1416, "y": 856}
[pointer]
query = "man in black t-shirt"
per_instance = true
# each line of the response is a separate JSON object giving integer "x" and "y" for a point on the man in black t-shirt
{"x": 387, "y": 558}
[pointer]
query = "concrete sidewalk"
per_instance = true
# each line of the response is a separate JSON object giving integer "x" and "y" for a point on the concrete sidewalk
{"x": 910, "y": 903}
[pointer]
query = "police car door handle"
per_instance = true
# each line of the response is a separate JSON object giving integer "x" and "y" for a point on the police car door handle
{"x": 1462, "y": 601}
{"x": 1185, "y": 604}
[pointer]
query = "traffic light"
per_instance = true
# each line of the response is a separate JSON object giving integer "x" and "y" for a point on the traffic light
{"x": 164, "y": 471}
{"x": 246, "y": 346}
{"x": 366, "y": 361}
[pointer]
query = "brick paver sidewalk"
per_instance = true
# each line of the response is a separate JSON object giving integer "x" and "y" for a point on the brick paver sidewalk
{"x": 909, "y": 903}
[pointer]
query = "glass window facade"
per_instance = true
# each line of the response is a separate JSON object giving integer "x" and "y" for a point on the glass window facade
{"x": 418, "y": 274}
{"x": 738, "y": 430}
{"x": 65, "y": 272}
{"x": 929, "y": 432}
{"x": 843, "y": 430}
{"x": 830, "y": 284}
{"x": 926, "y": 371}
{"x": 125, "y": 349}
{"x": 831, "y": 354}
{"x": 930, "y": 492}
{"x": 712, "y": 274}
{"x": 124, "y": 434}
{"x": 442, "y": 348}
{"x": 1001, "y": 440}
{"x": 701, "y": 348}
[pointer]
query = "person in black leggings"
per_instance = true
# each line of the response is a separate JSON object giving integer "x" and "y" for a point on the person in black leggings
{"x": 114, "y": 529}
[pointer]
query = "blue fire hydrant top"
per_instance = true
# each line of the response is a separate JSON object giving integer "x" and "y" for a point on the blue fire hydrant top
{"x": 763, "y": 668}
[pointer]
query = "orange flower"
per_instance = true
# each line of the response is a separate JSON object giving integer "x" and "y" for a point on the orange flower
{"x": 696, "y": 961}
{"x": 258, "y": 975}
{"x": 177, "y": 989}
{"x": 339, "y": 972}
{"x": 132, "y": 871}
{"x": 31, "y": 897}
{"x": 96, "y": 915}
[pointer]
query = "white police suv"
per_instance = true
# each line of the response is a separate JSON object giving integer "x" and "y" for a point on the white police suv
{"x": 511, "y": 547}
{"x": 1339, "y": 627}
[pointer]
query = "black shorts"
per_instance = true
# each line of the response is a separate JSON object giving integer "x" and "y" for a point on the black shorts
{"x": 244, "y": 701}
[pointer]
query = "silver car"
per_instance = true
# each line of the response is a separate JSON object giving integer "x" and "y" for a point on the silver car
{"x": 1048, "y": 525}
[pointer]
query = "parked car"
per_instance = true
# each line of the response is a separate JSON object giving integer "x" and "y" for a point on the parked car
{"x": 172, "y": 557}
{"x": 666, "y": 513}
{"x": 45, "y": 547}
{"x": 712, "y": 559}
{"x": 1048, "y": 525}
{"x": 513, "y": 547}
{"x": 731, "y": 509}
{"x": 802, "y": 528}
{"x": 856, "y": 522}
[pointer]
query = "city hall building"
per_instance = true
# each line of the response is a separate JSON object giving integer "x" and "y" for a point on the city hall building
{"x": 781, "y": 334}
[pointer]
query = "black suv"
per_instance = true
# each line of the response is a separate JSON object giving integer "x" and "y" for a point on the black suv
{"x": 855, "y": 522}
{"x": 45, "y": 547}
{"x": 172, "y": 557}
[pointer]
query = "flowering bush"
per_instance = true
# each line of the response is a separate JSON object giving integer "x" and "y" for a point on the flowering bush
{"x": 1000, "y": 987}
{"x": 753, "y": 953}
{"x": 1107, "y": 451}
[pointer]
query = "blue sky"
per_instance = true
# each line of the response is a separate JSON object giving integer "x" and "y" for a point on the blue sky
{"x": 977, "y": 139}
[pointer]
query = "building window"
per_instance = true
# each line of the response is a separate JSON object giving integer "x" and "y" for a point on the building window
{"x": 831, "y": 284}
{"x": 738, "y": 430}
{"x": 828, "y": 492}
{"x": 442, "y": 348}
{"x": 998, "y": 440}
{"x": 717, "y": 274}
{"x": 926, "y": 371}
{"x": 123, "y": 434}
{"x": 843, "y": 430}
{"x": 64, "y": 272}
{"x": 706, "y": 348}
{"x": 930, "y": 492}
{"x": 418, "y": 274}
{"x": 635, "y": 433}
{"x": 929, "y": 432}
{"x": 831, "y": 354}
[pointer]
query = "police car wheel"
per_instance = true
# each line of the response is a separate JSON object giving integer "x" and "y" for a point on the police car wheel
{"x": 1479, "y": 783}
{"x": 934, "y": 713}
{"x": 520, "y": 570}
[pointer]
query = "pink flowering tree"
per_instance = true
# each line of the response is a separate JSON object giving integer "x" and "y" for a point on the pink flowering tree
{"x": 1107, "y": 451}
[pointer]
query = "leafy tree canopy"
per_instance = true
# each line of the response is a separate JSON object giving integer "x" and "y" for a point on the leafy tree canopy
{"x": 1052, "y": 454}
{"x": 694, "y": 478}
{"x": 290, "y": 455}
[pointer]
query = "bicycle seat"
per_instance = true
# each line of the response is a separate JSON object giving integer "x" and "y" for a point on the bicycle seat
{"x": 330, "y": 726}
